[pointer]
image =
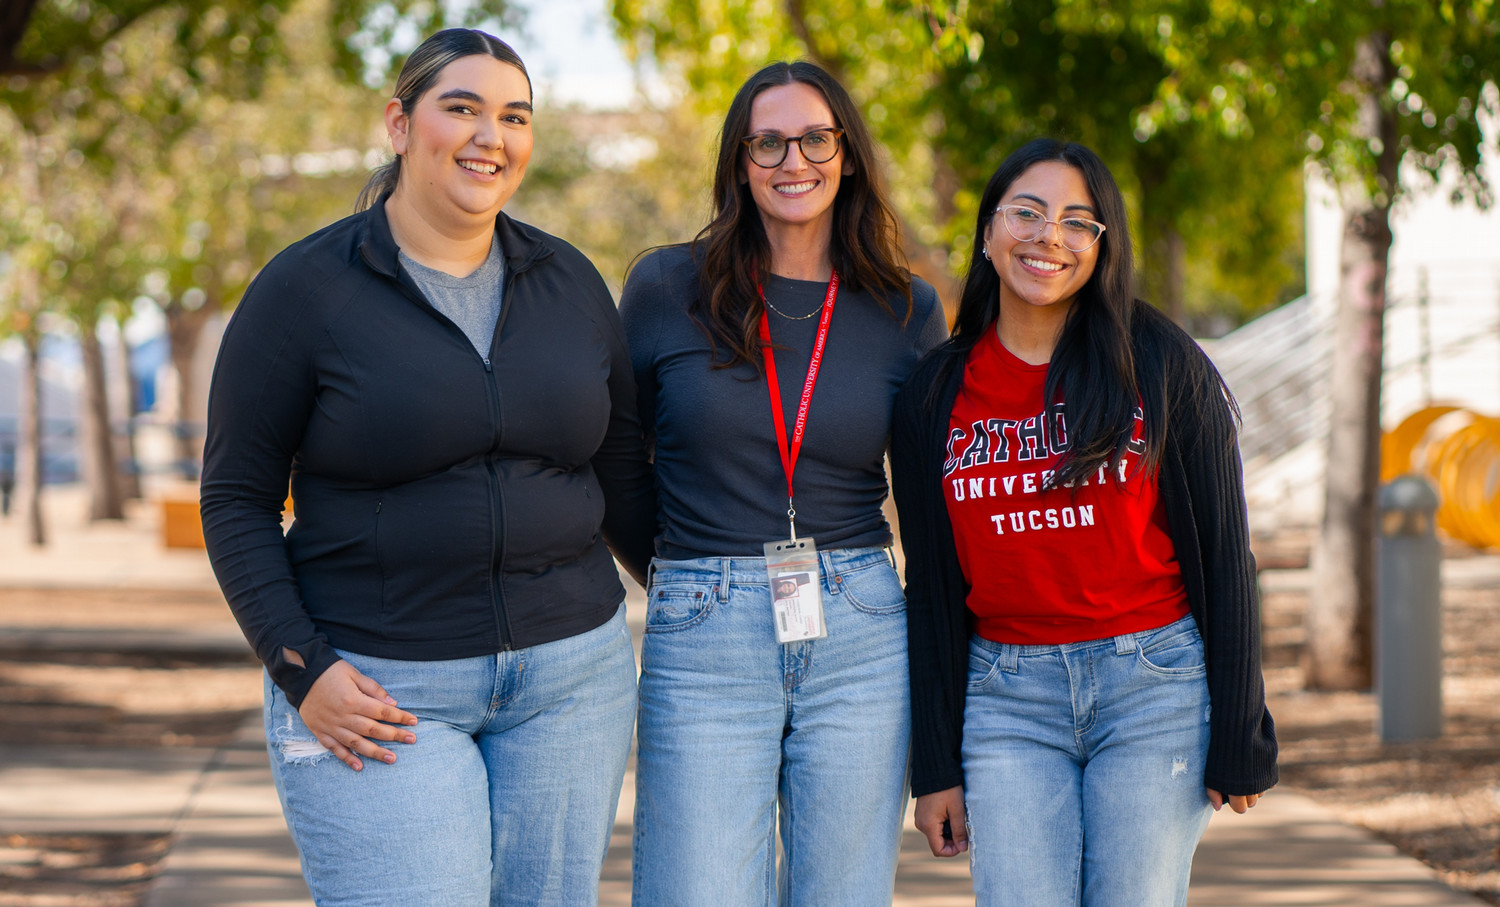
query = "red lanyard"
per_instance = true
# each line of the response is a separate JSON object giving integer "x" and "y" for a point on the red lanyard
{"x": 789, "y": 453}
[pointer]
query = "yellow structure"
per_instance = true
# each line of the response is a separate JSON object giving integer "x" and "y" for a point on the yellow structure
{"x": 1459, "y": 450}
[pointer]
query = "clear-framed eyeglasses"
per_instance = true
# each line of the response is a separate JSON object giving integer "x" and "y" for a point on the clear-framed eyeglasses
{"x": 767, "y": 149}
{"x": 1026, "y": 224}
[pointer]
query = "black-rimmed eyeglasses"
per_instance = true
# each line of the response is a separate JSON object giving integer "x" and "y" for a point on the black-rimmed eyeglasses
{"x": 818, "y": 146}
{"x": 1028, "y": 224}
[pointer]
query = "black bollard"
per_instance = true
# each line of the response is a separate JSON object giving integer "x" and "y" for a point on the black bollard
{"x": 1408, "y": 612}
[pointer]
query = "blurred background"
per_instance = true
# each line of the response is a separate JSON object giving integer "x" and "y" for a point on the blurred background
{"x": 1311, "y": 188}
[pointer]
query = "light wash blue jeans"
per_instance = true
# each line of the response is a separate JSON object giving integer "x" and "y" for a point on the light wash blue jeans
{"x": 736, "y": 728}
{"x": 1083, "y": 769}
{"x": 507, "y": 797}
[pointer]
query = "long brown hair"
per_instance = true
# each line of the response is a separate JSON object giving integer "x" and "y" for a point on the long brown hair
{"x": 733, "y": 250}
{"x": 419, "y": 73}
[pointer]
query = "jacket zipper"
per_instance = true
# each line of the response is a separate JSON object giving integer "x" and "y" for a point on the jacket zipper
{"x": 497, "y": 550}
{"x": 497, "y": 512}
{"x": 497, "y": 493}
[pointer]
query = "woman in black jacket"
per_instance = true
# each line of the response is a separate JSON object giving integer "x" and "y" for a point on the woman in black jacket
{"x": 450, "y": 684}
{"x": 1079, "y": 580}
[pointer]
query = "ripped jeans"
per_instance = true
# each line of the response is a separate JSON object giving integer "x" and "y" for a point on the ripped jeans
{"x": 1083, "y": 769}
{"x": 508, "y": 795}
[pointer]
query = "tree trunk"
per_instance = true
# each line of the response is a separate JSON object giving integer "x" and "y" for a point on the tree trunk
{"x": 1169, "y": 261}
{"x": 184, "y": 330}
{"x": 130, "y": 473}
{"x": 101, "y": 466}
{"x": 931, "y": 262}
{"x": 29, "y": 461}
{"x": 1340, "y": 613}
{"x": 1163, "y": 267}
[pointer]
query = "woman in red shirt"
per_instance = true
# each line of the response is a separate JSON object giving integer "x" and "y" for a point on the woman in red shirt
{"x": 1079, "y": 578}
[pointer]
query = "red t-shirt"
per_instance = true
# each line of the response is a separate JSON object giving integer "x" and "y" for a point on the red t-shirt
{"x": 1059, "y": 566}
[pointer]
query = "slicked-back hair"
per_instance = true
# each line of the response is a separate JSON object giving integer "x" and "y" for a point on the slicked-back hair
{"x": 733, "y": 250}
{"x": 419, "y": 73}
{"x": 1095, "y": 366}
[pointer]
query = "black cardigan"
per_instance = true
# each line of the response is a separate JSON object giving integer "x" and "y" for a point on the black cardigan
{"x": 1201, "y": 487}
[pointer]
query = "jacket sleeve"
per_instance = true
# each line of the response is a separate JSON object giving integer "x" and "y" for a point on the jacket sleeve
{"x": 1242, "y": 748}
{"x": 936, "y": 613}
{"x": 262, "y": 393}
{"x": 621, "y": 464}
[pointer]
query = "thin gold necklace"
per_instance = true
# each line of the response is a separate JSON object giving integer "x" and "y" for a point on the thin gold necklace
{"x": 767, "y": 300}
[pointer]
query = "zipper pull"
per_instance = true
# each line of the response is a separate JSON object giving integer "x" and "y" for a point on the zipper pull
{"x": 487, "y": 367}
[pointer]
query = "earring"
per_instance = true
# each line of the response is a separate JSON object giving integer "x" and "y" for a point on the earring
{"x": 985, "y": 251}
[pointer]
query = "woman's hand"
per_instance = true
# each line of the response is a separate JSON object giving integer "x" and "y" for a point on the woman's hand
{"x": 1236, "y": 802}
{"x": 942, "y": 819}
{"x": 348, "y": 711}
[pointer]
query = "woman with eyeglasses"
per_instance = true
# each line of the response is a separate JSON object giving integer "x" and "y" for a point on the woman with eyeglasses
{"x": 768, "y": 352}
{"x": 1085, "y": 652}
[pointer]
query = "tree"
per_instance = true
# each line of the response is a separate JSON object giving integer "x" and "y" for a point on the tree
{"x": 77, "y": 72}
{"x": 243, "y": 178}
{"x": 884, "y": 58}
{"x": 596, "y": 180}
{"x": 1378, "y": 89}
{"x": 1100, "y": 73}
{"x": 951, "y": 88}
{"x": 21, "y": 311}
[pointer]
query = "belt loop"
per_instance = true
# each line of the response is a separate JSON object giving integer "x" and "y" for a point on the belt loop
{"x": 1127, "y": 643}
{"x": 1009, "y": 658}
{"x": 890, "y": 554}
{"x": 724, "y": 568}
{"x": 650, "y": 575}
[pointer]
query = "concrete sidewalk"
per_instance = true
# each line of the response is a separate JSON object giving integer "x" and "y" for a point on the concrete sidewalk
{"x": 231, "y": 846}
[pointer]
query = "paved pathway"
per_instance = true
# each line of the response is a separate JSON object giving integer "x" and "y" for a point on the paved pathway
{"x": 232, "y": 848}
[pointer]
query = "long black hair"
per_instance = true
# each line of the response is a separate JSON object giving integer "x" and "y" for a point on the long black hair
{"x": 734, "y": 250}
{"x": 1114, "y": 352}
{"x": 420, "y": 72}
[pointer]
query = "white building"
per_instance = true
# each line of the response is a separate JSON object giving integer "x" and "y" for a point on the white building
{"x": 1442, "y": 339}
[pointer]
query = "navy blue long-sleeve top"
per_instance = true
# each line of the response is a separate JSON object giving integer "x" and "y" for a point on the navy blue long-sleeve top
{"x": 722, "y": 490}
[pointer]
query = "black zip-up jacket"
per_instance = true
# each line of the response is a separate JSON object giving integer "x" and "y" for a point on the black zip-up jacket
{"x": 447, "y": 505}
{"x": 1203, "y": 492}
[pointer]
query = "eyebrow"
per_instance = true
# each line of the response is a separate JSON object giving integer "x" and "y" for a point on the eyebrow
{"x": 1043, "y": 203}
{"x": 805, "y": 131}
{"x": 464, "y": 94}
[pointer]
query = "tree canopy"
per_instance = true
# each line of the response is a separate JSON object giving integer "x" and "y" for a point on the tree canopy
{"x": 950, "y": 89}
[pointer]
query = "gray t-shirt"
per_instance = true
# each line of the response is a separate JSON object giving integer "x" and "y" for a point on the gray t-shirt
{"x": 722, "y": 491}
{"x": 473, "y": 302}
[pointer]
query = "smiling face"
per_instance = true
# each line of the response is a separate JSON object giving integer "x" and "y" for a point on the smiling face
{"x": 797, "y": 194}
{"x": 1042, "y": 272}
{"x": 465, "y": 144}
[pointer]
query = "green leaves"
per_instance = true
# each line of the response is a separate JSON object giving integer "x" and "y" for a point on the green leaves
{"x": 1205, "y": 109}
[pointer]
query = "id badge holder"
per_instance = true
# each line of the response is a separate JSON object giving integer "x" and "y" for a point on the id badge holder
{"x": 796, "y": 590}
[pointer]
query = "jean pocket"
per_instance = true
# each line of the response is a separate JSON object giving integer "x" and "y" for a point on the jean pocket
{"x": 875, "y": 589}
{"x": 288, "y": 736}
{"x": 1178, "y": 655}
{"x": 672, "y": 608}
{"x": 981, "y": 670}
